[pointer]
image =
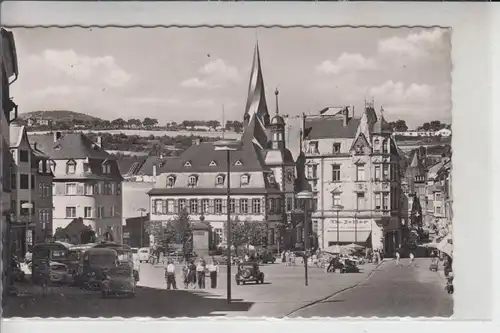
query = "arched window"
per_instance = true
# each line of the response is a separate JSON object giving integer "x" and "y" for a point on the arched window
{"x": 70, "y": 167}
{"x": 219, "y": 180}
{"x": 192, "y": 180}
{"x": 170, "y": 181}
{"x": 384, "y": 146}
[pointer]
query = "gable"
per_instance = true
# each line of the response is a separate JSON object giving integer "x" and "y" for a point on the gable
{"x": 361, "y": 145}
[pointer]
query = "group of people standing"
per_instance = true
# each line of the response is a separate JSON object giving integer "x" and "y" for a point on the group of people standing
{"x": 193, "y": 274}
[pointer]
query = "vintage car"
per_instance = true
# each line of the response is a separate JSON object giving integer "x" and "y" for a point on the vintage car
{"x": 249, "y": 272}
{"x": 93, "y": 264}
{"x": 118, "y": 281}
{"x": 348, "y": 266}
{"x": 267, "y": 258}
{"x": 59, "y": 273}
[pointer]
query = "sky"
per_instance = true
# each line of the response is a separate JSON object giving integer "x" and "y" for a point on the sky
{"x": 176, "y": 74}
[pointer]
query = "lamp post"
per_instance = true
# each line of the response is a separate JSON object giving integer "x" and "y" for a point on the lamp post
{"x": 142, "y": 210}
{"x": 305, "y": 196}
{"x": 338, "y": 208}
{"x": 228, "y": 146}
{"x": 29, "y": 207}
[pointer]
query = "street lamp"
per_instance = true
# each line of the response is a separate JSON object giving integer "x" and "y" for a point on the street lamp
{"x": 142, "y": 210}
{"x": 338, "y": 208}
{"x": 228, "y": 146}
{"x": 29, "y": 207}
{"x": 305, "y": 195}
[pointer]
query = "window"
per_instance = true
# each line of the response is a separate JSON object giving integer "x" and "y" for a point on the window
{"x": 24, "y": 156}
{"x": 313, "y": 147}
{"x": 256, "y": 206}
{"x": 87, "y": 168}
{"x": 232, "y": 206}
{"x": 245, "y": 179}
{"x": 52, "y": 166}
{"x": 384, "y": 147}
{"x": 386, "y": 171}
{"x": 360, "y": 172}
{"x": 170, "y": 181}
{"x": 112, "y": 211}
{"x": 40, "y": 189}
{"x": 40, "y": 166}
{"x": 336, "y": 148}
{"x": 192, "y": 181}
{"x": 182, "y": 204}
{"x": 218, "y": 206}
{"x": 13, "y": 180}
{"x": 47, "y": 191}
{"x": 70, "y": 212}
{"x": 377, "y": 201}
{"x": 335, "y": 172}
{"x": 106, "y": 168}
{"x": 376, "y": 144}
{"x": 71, "y": 189}
{"x": 437, "y": 196}
{"x": 219, "y": 180}
{"x": 358, "y": 149}
{"x": 336, "y": 199}
{"x": 70, "y": 167}
{"x": 218, "y": 233}
{"x": 100, "y": 212}
{"x": 360, "y": 204}
{"x": 24, "y": 182}
{"x": 193, "y": 206}
{"x": 438, "y": 210}
{"x": 244, "y": 206}
{"x": 377, "y": 172}
{"x": 89, "y": 189}
{"x": 87, "y": 212}
{"x": 158, "y": 206}
{"x": 386, "y": 201}
{"x": 205, "y": 206}
{"x": 32, "y": 182}
{"x": 289, "y": 204}
{"x": 112, "y": 188}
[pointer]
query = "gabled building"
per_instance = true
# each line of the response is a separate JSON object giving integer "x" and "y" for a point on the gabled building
{"x": 87, "y": 182}
{"x": 353, "y": 167}
{"x": 262, "y": 174}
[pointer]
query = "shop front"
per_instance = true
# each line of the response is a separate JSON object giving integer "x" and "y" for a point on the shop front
{"x": 347, "y": 231}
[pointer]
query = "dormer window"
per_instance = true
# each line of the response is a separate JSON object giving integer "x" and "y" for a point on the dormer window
{"x": 170, "y": 181}
{"x": 187, "y": 164}
{"x": 213, "y": 163}
{"x": 238, "y": 163}
{"x": 313, "y": 147}
{"x": 192, "y": 180}
{"x": 336, "y": 148}
{"x": 106, "y": 168}
{"x": 86, "y": 167}
{"x": 245, "y": 179}
{"x": 70, "y": 167}
{"x": 219, "y": 180}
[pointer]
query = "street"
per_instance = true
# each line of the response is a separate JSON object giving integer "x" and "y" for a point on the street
{"x": 390, "y": 292}
{"x": 385, "y": 290}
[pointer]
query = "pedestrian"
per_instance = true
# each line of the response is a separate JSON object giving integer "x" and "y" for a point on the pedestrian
{"x": 283, "y": 258}
{"x": 398, "y": 258}
{"x": 170, "y": 275}
{"x": 213, "y": 269}
{"x": 246, "y": 257}
{"x": 192, "y": 274}
{"x": 412, "y": 257}
{"x": 185, "y": 275}
{"x": 44, "y": 275}
{"x": 200, "y": 272}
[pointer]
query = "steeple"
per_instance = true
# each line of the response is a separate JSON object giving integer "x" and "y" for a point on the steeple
{"x": 277, "y": 127}
{"x": 256, "y": 117}
{"x": 256, "y": 100}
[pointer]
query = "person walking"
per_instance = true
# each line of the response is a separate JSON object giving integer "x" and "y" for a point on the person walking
{"x": 200, "y": 272}
{"x": 185, "y": 275}
{"x": 192, "y": 274}
{"x": 170, "y": 275}
{"x": 412, "y": 257}
{"x": 213, "y": 269}
{"x": 398, "y": 258}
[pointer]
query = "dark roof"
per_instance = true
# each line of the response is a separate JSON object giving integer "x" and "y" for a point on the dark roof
{"x": 70, "y": 145}
{"x": 200, "y": 156}
{"x": 216, "y": 191}
{"x": 330, "y": 127}
{"x": 130, "y": 165}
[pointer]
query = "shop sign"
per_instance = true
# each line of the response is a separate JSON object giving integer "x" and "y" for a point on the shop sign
{"x": 349, "y": 224}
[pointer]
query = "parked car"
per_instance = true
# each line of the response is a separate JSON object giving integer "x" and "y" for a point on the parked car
{"x": 249, "y": 272}
{"x": 59, "y": 273}
{"x": 144, "y": 254}
{"x": 119, "y": 281}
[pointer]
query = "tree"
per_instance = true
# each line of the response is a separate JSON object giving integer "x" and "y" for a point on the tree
{"x": 247, "y": 233}
{"x": 149, "y": 122}
{"x": 155, "y": 229}
{"x": 118, "y": 123}
{"x": 134, "y": 122}
{"x": 179, "y": 229}
{"x": 398, "y": 126}
{"x": 425, "y": 127}
{"x": 213, "y": 124}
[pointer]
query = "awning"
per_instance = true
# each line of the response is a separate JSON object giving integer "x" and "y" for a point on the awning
{"x": 446, "y": 246}
{"x": 349, "y": 236}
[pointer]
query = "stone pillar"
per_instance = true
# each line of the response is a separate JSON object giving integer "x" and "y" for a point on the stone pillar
{"x": 201, "y": 240}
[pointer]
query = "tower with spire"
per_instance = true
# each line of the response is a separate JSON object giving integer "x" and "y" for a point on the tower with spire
{"x": 277, "y": 128}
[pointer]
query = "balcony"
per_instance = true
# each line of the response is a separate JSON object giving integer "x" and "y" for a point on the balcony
{"x": 360, "y": 187}
{"x": 381, "y": 186}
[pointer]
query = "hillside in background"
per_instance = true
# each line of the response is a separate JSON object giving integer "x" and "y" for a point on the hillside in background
{"x": 60, "y": 116}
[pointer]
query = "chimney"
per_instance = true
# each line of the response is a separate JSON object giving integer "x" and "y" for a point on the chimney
{"x": 57, "y": 136}
{"x": 346, "y": 116}
{"x": 99, "y": 141}
{"x": 154, "y": 170}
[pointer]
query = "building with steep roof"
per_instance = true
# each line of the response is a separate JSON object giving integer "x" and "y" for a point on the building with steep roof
{"x": 262, "y": 174}
{"x": 87, "y": 182}
{"x": 352, "y": 166}
{"x": 9, "y": 73}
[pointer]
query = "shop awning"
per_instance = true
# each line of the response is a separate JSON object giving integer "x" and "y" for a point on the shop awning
{"x": 349, "y": 236}
{"x": 446, "y": 245}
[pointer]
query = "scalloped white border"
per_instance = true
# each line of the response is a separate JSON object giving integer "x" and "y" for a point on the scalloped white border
{"x": 474, "y": 31}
